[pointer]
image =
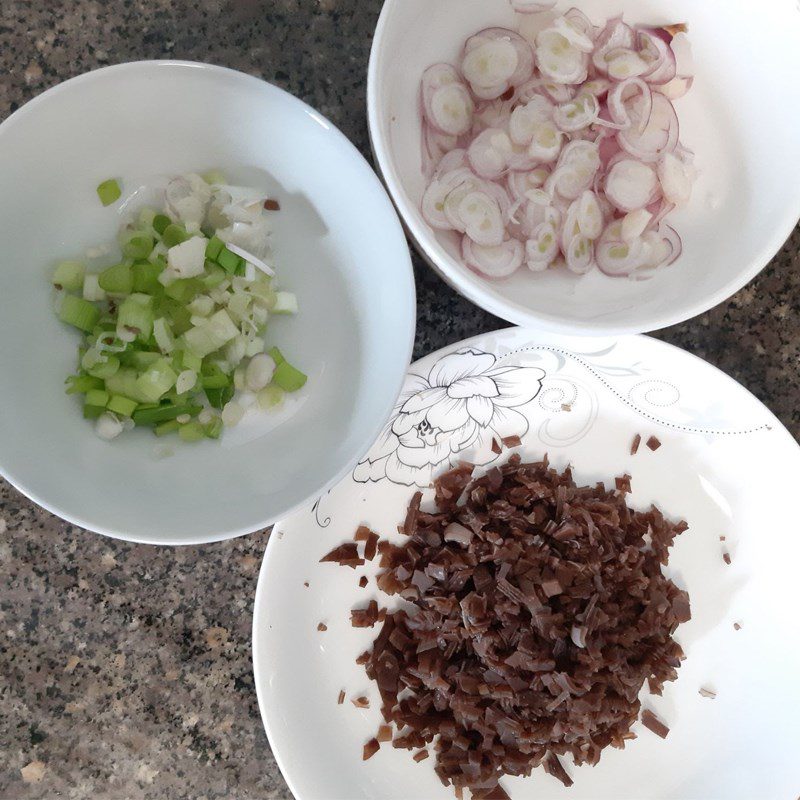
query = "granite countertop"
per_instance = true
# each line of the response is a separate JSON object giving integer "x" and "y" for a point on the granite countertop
{"x": 125, "y": 670}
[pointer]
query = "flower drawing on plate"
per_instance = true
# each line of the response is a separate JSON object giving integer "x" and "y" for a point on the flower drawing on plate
{"x": 465, "y": 401}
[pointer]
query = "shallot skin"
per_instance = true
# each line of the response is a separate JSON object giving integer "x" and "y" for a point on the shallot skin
{"x": 559, "y": 151}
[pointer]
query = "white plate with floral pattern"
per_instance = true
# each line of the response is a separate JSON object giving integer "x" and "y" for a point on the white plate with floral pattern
{"x": 725, "y": 464}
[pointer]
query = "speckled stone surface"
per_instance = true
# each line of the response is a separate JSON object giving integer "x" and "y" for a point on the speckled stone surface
{"x": 125, "y": 670}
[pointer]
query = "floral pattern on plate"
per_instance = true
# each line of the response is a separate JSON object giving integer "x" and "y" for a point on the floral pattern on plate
{"x": 466, "y": 400}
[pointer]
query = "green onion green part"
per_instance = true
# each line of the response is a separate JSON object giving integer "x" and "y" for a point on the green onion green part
{"x": 288, "y": 378}
{"x": 174, "y": 234}
{"x": 160, "y": 223}
{"x": 69, "y": 276}
{"x": 78, "y": 312}
{"x": 117, "y": 279}
{"x": 81, "y": 384}
{"x": 191, "y": 432}
{"x": 123, "y": 406}
{"x": 109, "y": 191}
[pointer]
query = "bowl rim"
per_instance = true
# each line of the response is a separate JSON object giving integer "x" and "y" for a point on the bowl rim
{"x": 407, "y": 277}
{"x": 479, "y": 290}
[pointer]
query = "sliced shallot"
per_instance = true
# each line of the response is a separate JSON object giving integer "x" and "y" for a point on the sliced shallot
{"x": 623, "y": 63}
{"x": 631, "y": 185}
{"x": 546, "y": 143}
{"x": 580, "y": 254}
{"x": 499, "y": 261}
{"x": 559, "y": 60}
{"x": 577, "y": 114}
{"x": 488, "y": 153}
{"x": 532, "y": 6}
{"x": 489, "y": 66}
{"x": 482, "y": 219}
{"x": 660, "y": 133}
{"x": 495, "y": 59}
{"x": 524, "y": 119}
{"x": 521, "y": 182}
{"x": 576, "y": 29}
{"x": 658, "y": 54}
{"x": 634, "y": 224}
{"x": 576, "y": 169}
{"x": 451, "y": 109}
{"x": 615, "y": 35}
{"x": 620, "y": 99}
{"x": 542, "y": 248}
{"x": 589, "y": 215}
{"x": 676, "y": 179}
{"x": 615, "y": 257}
{"x": 676, "y": 88}
{"x": 435, "y": 77}
{"x": 565, "y": 154}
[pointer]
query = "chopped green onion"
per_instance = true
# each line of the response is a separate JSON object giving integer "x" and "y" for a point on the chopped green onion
{"x": 270, "y": 396}
{"x": 145, "y": 277}
{"x": 78, "y": 312}
{"x": 214, "y": 428}
{"x": 81, "y": 384}
{"x": 158, "y": 414}
{"x": 117, "y": 279}
{"x": 92, "y": 290}
{"x": 170, "y": 426}
{"x": 176, "y": 314}
{"x": 217, "y": 398}
{"x": 215, "y": 381}
{"x": 288, "y": 378}
{"x": 146, "y": 217}
{"x": 213, "y": 176}
{"x": 229, "y": 261}
{"x": 142, "y": 359}
{"x": 184, "y": 360}
{"x": 276, "y": 355}
{"x": 214, "y": 248}
{"x": 104, "y": 369}
{"x": 160, "y": 223}
{"x": 213, "y": 334}
{"x": 285, "y": 303}
{"x": 239, "y": 304}
{"x": 157, "y": 380}
{"x": 163, "y": 335}
{"x": 191, "y": 432}
{"x": 136, "y": 244}
{"x": 97, "y": 397}
{"x": 214, "y": 277}
{"x": 175, "y": 324}
{"x": 92, "y": 412}
{"x": 183, "y": 289}
{"x": 202, "y": 305}
{"x": 109, "y": 191}
{"x": 123, "y": 382}
{"x": 69, "y": 276}
{"x": 135, "y": 315}
{"x": 123, "y": 406}
{"x": 174, "y": 234}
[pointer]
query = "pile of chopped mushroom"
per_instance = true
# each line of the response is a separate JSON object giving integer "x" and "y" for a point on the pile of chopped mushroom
{"x": 536, "y": 610}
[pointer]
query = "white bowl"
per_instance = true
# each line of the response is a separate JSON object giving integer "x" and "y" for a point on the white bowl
{"x": 741, "y": 118}
{"x": 338, "y": 244}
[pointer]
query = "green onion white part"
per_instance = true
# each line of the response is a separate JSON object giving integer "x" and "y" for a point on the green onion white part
{"x": 173, "y": 332}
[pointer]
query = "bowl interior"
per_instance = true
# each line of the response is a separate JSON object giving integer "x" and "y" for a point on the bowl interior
{"x": 736, "y": 118}
{"x": 338, "y": 245}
